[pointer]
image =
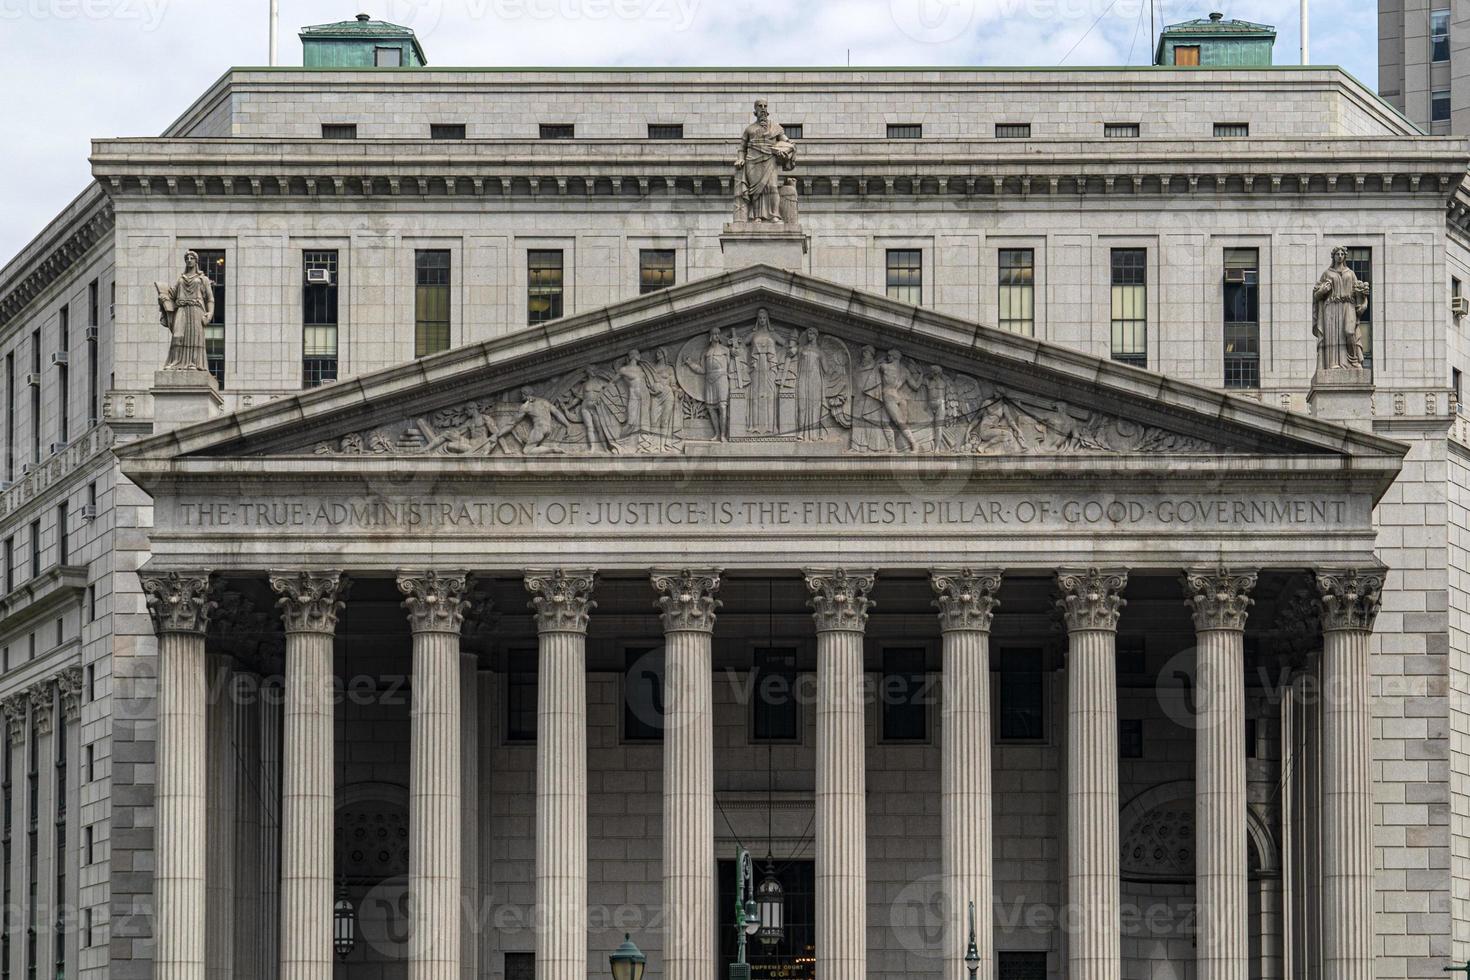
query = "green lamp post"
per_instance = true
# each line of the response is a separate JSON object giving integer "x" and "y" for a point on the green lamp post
{"x": 972, "y": 951}
{"x": 747, "y": 915}
{"x": 628, "y": 961}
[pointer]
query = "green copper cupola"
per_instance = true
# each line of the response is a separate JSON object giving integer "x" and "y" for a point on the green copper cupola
{"x": 361, "y": 43}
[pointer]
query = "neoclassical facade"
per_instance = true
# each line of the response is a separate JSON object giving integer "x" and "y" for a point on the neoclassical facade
{"x": 951, "y": 504}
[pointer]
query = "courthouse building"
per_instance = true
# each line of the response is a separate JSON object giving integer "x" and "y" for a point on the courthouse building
{"x": 513, "y": 509}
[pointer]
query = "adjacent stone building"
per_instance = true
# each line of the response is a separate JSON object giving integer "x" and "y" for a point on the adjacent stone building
{"x": 991, "y": 532}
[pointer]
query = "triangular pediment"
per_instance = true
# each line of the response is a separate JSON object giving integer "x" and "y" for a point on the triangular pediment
{"x": 758, "y": 363}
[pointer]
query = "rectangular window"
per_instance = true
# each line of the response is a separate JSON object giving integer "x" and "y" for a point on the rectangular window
{"x": 1021, "y": 696}
{"x": 93, "y": 376}
{"x": 905, "y": 695}
{"x": 1242, "y": 318}
{"x": 339, "y": 131}
{"x": 543, "y": 285}
{"x": 520, "y": 696}
{"x": 643, "y": 694}
{"x": 91, "y": 763}
{"x": 1017, "y": 285}
{"x": 1439, "y": 106}
{"x": 775, "y": 711}
{"x": 446, "y": 131}
{"x": 520, "y": 966}
{"x": 93, "y": 301}
{"x": 1132, "y": 655}
{"x": 1439, "y": 35}
{"x": 558, "y": 131}
{"x": 1232, "y": 130}
{"x": 905, "y": 131}
{"x": 1186, "y": 55}
{"x": 6, "y": 858}
{"x": 35, "y": 535}
{"x": 1455, "y": 387}
{"x": 1025, "y": 965}
{"x": 792, "y": 130}
{"x": 430, "y": 301}
{"x": 386, "y": 57}
{"x": 905, "y": 275}
{"x": 63, "y": 536}
{"x": 1120, "y": 131}
{"x": 665, "y": 131}
{"x": 655, "y": 269}
{"x": 10, "y": 417}
{"x": 1130, "y": 738}
{"x": 1250, "y": 738}
{"x": 319, "y": 318}
{"x": 1013, "y": 131}
{"x": 10, "y": 564}
{"x": 63, "y": 375}
{"x": 1360, "y": 260}
{"x": 35, "y": 382}
{"x": 212, "y": 264}
{"x": 1130, "y": 306}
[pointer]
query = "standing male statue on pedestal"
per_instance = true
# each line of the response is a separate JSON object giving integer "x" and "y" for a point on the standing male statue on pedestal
{"x": 765, "y": 153}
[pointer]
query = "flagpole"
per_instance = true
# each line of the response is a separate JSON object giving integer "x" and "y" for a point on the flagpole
{"x": 275, "y": 18}
{"x": 1306, "y": 43}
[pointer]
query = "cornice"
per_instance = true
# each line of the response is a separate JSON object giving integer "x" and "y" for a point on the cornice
{"x": 86, "y": 221}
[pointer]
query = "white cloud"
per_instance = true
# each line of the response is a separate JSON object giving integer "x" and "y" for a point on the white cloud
{"x": 76, "y": 69}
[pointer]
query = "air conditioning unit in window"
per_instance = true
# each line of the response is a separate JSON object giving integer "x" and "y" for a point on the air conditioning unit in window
{"x": 55, "y": 448}
{"x": 1460, "y": 306}
{"x": 89, "y": 512}
{"x": 25, "y": 469}
{"x": 34, "y": 380}
{"x": 318, "y": 277}
{"x": 1235, "y": 275}
{"x": 61, "y": 357}
{"x": 92, "y": 334}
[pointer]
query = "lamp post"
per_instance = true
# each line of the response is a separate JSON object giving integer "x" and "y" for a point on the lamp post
{"x": 627, "y": 961}
{"x": 747, "y": 915}
{"x": 972, "y": 952}
{"x": 770, "y": 897}
{"x": 344, "y": 924}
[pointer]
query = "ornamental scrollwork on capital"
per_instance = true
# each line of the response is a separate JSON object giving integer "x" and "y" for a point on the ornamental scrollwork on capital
{"x": 42, "y": 700}
{"x": 15, "y": 709}
{"x": 839, "y": 598}
{"x": 688, "y": 600}
{"x": 1219, "y": 599}
{"x": 436, "y": 601}
{"x": 310, "y": 601}
{"x": 179, "y": 602}
{"x": 965, "y": 599}
{"x": 1350, "y": 597}
{"x": 561, "y": 599}
{"x": 1091, "y": 598}
{"x": 69, "y": 686}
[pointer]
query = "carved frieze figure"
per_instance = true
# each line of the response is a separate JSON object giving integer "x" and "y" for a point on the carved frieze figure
{"x": 765, "y": 153}
{"x": 943, "y": 410}
{"x": 636, "y": 399}
{"x": 716, "y": 368}
{"x": 599, "y": 418}
{"x": 764, "y": 392}
{"x": 666, "y": 412}
{"x": 184, "y": 308}
{"x": 895, "y": 380}
{"x": 541, "y": 413}
{"x": 1338, "y": 301}
{"x": 869, "y": 429}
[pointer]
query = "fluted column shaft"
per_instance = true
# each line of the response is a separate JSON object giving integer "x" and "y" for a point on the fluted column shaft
{"x": 1220, "y": 601}
{"x": 839, "y": 601}
{"x": 966, "y": 602}
{"x": 222, "y": 908}
{"x": 1350, "y": 601}
{"x": 688, "y": 605}
{"x": 272, "y": 705}
{"x": 469, "y": 782}
{"x": 1091, "y": 601}
{"x": 435, "y": 603}
{"x": 310, "y": 603}
{"x": 248, "y": 867}
{"x": 562, "y": 602}
{"x": 180, "y": 607}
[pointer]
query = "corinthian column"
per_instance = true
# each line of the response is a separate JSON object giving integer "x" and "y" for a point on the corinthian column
{"x": 1090, "y": 602}
{"x": 435, "y": 603}
{"x": 687, "y": 603}
{"x": 562, "y": 601}
{"x": 1350, "y": 599}
{"x": 1220, "y": 601}
{"x": 309, "y": 603}
{"x": 180, "y": 606}
{"x": 839, "y": 601}
{"x": 966, "y": 602}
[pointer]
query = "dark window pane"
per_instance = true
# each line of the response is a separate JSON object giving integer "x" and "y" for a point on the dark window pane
{"x": 905, "y": 131}
{"x": 543, "y": 285}
{"x": 1242, "y": 330}
{"x": 520, "y": 966}
{"x": 792, "y": 130}
{"x": 1012, "y": 131}
{"x": 446, "y": 131}
{"x": 1120, "y": 130}
{"x": 905, "y": 277}
{"x": 520, "y": 696}
{"x": 558, "y": 131}
{"x": 319, "y": 318}
{"x": 905, "y": 696}
{"x": 1130, "y": 738}
{"x": 655, "y": 269}
{"x": 1232, "y": 129}
{"x": 1021, "y": 695}
{"x": 1439, "y": 107}
{"x": 1439, "y": 35}
{"x": 1011, "y": 965}
{"x": 212, "y": 264}
{"x": 775, "y": 712}
{"x": 1360, "y": 260}
{"x": 643, "y": 694}
{"x": 665, "y": 131}
{"x": 339, "y": 131}
{"x": 1132, "y": 660}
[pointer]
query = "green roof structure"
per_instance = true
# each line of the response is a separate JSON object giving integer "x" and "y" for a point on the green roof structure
{"x": 1214, "y": 42}
{"x": 361, "y": 43}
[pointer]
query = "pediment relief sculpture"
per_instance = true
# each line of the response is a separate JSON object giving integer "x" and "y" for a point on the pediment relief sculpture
{"x": 766, "y": 387}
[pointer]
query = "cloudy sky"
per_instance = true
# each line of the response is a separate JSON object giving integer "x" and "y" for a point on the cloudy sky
{"x": 76, "y": 69}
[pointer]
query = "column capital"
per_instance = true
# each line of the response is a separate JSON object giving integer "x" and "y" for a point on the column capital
{"x": 965, "y": 599}
{"x": 15, "y": 708}
{"x": 1218, "y": 598}
{"x": 1091, "y": 598}
{"x": 839, "y": 597}
{"x": 562, "y": 599}
{"x": 1350, "y": 597}
{"x": 436, "y": 601}
{"x": 41, "y": 703}
{"x": 310, "y": 601}
{"x": 69, "y": 684}
{"x": 179, "y": 602}
{"x": 688, "y": 602}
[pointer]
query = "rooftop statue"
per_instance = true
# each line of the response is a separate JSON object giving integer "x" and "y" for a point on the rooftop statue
{"x": 184, "y": 308}
{"x": 761, "y": 193}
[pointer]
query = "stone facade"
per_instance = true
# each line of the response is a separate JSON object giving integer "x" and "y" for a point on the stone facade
{"x": 1305, "y": 181}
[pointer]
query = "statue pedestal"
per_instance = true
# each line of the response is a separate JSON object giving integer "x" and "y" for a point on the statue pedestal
{"x": 1343, "y": 395}
{"x": 747, "y": 243}
{"x": 183, "y": 397}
